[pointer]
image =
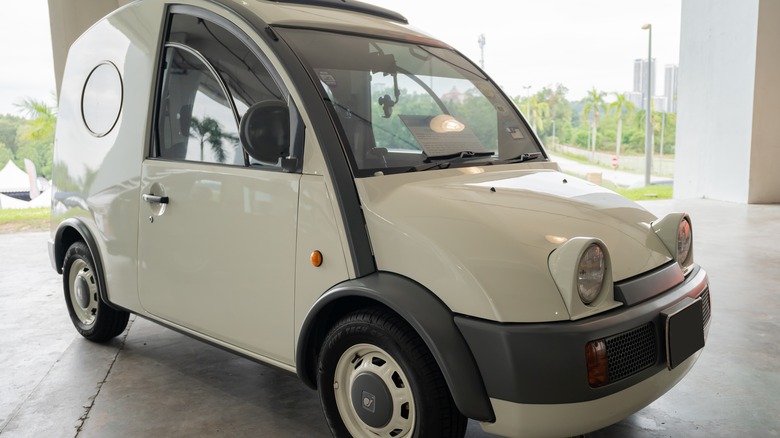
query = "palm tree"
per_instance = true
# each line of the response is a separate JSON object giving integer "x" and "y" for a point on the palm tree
{"x": 617, "y": 107}
{"x": 43, "y": 120}
{"x": 594, "y": 101}
{"x": 208, "y": 130}
{"x": 539, "y": 111}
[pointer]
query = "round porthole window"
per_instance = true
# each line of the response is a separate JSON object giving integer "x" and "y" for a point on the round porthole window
{"x": 101, "y": 101}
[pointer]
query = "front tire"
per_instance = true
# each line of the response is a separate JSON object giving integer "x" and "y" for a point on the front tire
{"x": 377, "y": 378}
{"x": 93, "y": 318}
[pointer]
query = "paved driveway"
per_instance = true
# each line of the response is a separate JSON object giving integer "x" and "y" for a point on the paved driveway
{"x": 152, "y": 381}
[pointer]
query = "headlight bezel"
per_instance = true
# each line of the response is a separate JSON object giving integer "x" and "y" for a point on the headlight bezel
{"x": 564, "y": 264}
{"x": 674, "y": 230}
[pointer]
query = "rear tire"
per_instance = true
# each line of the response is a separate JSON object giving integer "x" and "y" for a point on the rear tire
{"x": 377, "y": 378}
{"x": 93, "y": 318}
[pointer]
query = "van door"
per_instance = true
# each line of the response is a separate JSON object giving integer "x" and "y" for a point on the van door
{"x": 217, "y": 237}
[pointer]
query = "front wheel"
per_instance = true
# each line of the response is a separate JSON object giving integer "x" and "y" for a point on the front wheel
{"x": 377, "y": 378}
{"x": 93, "y": 318}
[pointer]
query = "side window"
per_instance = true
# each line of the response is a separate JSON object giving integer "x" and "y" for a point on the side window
{"x": 210, "y": 79}
{"x": 196, "y": 122}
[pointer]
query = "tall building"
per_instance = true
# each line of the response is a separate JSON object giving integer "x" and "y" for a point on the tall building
{"x": 670, "y": 87}
{"x": 635, "y": 97}
{"x": 640, "y": 76}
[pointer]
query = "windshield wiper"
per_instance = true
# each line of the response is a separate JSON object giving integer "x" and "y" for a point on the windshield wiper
{"x": 528, "y": 156}
{"x": 445, "y": 161}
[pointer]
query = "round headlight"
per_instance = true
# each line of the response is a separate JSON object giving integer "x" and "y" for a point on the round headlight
{"x": 590, "y": 273}
{"x": 683, "y": 241}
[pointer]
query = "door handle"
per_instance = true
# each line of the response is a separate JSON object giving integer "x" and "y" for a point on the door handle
{"x": 152, "y": 199}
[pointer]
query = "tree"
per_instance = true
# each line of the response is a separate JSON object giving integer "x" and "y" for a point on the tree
{"x": 35, "y": 135}
{"x": 209, "y": 131}
{"x": 6, "y": 155}
{"x": 560, "y": 113}
{"x": 594, "y": 102}
{"x": 9, "y": 125}
{"x": 539, "y": 111}
{"x": 618, "y": 107}
{"x": 42, "y": 120}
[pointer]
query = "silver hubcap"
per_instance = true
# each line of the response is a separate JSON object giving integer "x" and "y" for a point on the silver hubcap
{"x": 83, "y": 292}
{"x": 360, "y": 360}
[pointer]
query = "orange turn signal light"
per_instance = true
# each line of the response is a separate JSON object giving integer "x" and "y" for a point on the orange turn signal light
{"x": 316, "y": 259}
{"x": 598, "y": 363}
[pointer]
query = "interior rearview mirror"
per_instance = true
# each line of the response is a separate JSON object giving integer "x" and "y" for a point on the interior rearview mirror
{"x": 265, "y": 131}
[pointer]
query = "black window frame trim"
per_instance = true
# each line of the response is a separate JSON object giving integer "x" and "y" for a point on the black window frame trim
{"x": 297, "y": 137}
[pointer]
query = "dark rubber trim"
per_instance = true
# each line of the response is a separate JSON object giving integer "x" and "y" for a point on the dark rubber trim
{"x": 544, "y": 363}
{"x": 333, "y": 149}
{"x": 429, "y": 317}
{"x": 638, "y": 289}
{"x": 86, "y": 236}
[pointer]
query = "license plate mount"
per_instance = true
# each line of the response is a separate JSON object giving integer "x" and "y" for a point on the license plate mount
{"x": 684, "y": 330}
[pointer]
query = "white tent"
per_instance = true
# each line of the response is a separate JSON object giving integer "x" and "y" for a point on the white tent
{"x": 43, "y": 200}
{"x": 13, "y": 179}
{"x": 9, "y": 203}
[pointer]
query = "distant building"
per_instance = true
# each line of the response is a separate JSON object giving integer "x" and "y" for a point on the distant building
{"x": 670, "y": 87}
{"x": 634, "y": 97}
{"x": 640, "y": 77}
{"x": 659, "y": 104}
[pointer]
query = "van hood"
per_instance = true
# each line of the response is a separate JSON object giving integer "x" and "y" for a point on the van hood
{"x": 493, "y": 231}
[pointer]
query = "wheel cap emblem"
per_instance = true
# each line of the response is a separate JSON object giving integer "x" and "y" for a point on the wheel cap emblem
{"x": 82, "y": 292}
{"x": 369, "y": 401}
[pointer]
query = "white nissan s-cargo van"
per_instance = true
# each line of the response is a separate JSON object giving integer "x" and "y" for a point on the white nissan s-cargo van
{"x": 294, "y": 181}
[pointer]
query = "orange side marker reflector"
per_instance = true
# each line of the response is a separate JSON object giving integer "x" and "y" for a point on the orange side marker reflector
{"x": 316, "y": 259}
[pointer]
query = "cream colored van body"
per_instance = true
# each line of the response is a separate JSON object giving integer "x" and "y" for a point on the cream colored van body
{"x": 224, "y": 168}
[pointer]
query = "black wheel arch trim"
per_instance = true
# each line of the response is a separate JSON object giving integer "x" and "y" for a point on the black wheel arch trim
{"x": 431, "y": 319}
{"x": 60, "y": 249}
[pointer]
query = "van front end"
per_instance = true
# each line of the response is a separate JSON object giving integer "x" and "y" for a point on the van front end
{"x": 573, "y": 377}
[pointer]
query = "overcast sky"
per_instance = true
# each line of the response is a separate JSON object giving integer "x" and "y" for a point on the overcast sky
{"x": 536, "y": 43}
{"x": 580, "y": 44}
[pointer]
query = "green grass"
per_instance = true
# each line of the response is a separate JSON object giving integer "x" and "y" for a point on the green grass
{"x": 646, "y": 193}
{"x": 27, "y": 219}
{"x": 23, "y": 215}
{"x": 642, "y": 193}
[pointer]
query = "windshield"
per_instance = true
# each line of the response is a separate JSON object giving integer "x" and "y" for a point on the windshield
{"x": 401, "y": 105}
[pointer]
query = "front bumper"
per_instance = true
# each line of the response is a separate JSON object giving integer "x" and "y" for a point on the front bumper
{"x": 545, "y": 364}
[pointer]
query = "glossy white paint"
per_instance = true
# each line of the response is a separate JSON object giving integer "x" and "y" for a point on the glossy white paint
{"x": 220, "y": 259}
{"x": 318, "y": 229}
{"x": 479, "y": 237}
{"x": 97, "y": 178}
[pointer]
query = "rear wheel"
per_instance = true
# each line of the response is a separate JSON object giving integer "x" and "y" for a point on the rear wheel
{"x": 93, "y": 318}
{"x": 377, "y": 378}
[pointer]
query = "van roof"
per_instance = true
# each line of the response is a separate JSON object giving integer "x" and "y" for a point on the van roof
{"x": 338, "y": 15}
{"x": 351, "y": 5}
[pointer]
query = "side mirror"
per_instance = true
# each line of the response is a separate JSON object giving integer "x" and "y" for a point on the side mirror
{"x": 265, "y": 131}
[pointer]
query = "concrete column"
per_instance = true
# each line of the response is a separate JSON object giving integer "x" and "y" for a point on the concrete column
{"x": 728, "y": 125}
{"x": 69, "y": 19}
{"x": 765, "y": 147}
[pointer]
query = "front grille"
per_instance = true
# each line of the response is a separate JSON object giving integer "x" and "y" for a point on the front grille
{"x": 631, "y": 351}
{"x": 705, "y": 304}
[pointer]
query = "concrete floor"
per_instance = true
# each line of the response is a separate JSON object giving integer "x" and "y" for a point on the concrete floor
{"x": 154, "y": 382}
